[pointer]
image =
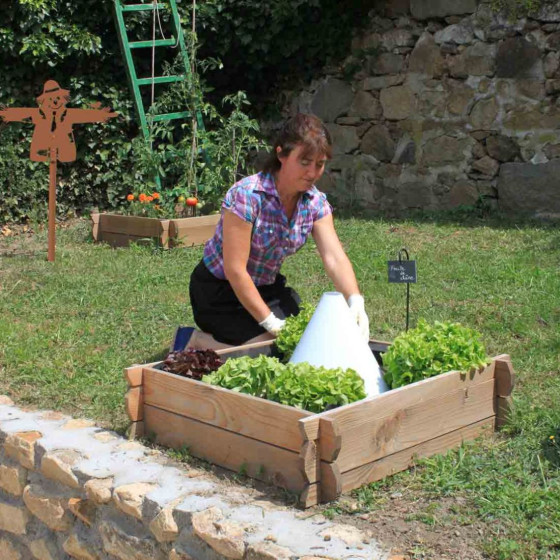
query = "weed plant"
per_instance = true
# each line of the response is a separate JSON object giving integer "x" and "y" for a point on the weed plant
{"x": 68, "y": 329}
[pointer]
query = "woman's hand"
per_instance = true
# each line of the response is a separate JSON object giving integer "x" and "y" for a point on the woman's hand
{"x": 273, "y": 324}
{"x": 357, "y": 309}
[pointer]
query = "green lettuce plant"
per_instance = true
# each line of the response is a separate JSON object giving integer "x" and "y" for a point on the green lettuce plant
{"x": 291, "y": 333}
{"x": 300, "y": 385}
{"x": 315, "y": 388}
{"x": 431, "y": 349}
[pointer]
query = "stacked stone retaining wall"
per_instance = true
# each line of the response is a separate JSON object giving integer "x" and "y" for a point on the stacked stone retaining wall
{"x": 71, "y": 490}
{"x": 445, "y": 103}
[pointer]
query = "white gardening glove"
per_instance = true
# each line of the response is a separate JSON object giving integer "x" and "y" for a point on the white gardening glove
{"x": 272, "y": 324}
{"x": 356, "y": 304}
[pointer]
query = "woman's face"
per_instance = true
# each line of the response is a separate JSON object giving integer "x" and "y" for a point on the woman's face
{"x": 300, "y": 171}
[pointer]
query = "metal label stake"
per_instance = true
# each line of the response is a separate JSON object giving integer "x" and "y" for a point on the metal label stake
{"x": 403, "y": 271}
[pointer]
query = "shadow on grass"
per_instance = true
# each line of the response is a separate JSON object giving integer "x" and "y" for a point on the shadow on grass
{"x": 551, "y": 448}
{"x": 464, "y": 216}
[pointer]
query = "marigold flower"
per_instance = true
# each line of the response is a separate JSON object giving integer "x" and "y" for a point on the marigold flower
{"x": 155, "y": 195}
{"x": 142, "y": 197}
{"x": 157, "y": 206}
{"x": 149, "y": 198}
{"x": 130, "y": 197}
{"x": 552, "y": 438}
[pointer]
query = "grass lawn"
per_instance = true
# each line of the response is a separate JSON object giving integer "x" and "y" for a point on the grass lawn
{"x": 68, "y": 329}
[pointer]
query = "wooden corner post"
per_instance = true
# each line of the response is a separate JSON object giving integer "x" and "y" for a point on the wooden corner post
{"x": 505, "y": 381}
{"x": 310, "y": 460}
{"x": 330, "y": 445}
{"x": 134, "y": 400}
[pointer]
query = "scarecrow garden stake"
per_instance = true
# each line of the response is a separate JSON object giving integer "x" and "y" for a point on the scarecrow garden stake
{"x": 53, "y": 137}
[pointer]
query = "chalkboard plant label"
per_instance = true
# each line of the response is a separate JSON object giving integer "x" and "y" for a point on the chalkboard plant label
{"x": 402, "y": 272}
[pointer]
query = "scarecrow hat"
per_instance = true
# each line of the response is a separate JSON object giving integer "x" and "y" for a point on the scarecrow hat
{"x": 51, "y": 87}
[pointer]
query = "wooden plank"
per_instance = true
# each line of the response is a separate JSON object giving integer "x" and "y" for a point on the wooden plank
{"x": 505, "y": 377}
{"x": 192, "y": 231}
{"x": 400, "y": 461}
{"x": 134, "y": 403}
{"x": 233, "y": 451}
{"x": 504, "y": 406}
{"x": 133, "y": 375}
{"x": 309, "y": 461}
{"x": 237, "y": 412}
{"x": 252, "y": 350}
{"x": 417, "y": 421}
{"x": 309, "y": 455}
{"x": 133, "y": 225}
{"x": 136, "y": 430}
{"x": 331, "y": 482}
{"x": 352, "y": 416}
{"x": 164, "y": 233}
{"x": 266, "y": 347}
{"x": 426, "y": 388}
{"x": 310, "y": 496}
{"x": 330, "y": 438}
{"x": 95, "y": 226}
{"x": 309, "y": 427}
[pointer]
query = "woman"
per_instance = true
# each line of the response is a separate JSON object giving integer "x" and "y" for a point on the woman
{"x": 237, "y": 291}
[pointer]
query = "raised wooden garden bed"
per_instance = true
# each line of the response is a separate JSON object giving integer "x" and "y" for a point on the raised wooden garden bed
{"x": 318, "y": 456}
{"x": 120, "y": 231}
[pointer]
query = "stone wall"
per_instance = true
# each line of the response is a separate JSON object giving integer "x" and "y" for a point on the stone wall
{"x": 447, "y": 104}
{"x": 71, "y": 490}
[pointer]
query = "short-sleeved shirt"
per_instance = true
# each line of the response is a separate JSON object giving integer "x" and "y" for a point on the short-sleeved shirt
{"x": 255, "y": 200}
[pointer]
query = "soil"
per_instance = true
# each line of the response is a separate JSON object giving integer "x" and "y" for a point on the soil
{"x": 19, "y": 239}
{"x": 415, "y": 527}
{"x": 29, "y": 239}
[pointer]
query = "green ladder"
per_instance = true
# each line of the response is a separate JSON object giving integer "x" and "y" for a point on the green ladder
{"x": 177, "y": 39}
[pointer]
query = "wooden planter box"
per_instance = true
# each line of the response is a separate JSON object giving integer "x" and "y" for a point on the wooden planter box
{"x": 318, "y": 456}
{"x": 120, "y": 231}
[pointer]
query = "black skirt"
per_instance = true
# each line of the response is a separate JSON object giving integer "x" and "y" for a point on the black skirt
{"x": 218, "y": 312}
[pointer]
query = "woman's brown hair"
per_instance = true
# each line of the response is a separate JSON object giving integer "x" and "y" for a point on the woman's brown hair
{"x": 304, "y": 129}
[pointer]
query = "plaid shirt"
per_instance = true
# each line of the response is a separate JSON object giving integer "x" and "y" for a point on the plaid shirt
{"x": 255, "y": 200}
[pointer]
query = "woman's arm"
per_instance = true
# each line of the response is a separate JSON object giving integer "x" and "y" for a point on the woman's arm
{"x": 337, "y": 265}
{"x": 236, "y": 249}
{"x": 340, "y": 270}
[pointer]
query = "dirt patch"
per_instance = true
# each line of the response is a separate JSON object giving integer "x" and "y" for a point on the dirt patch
{"x": 19, "y": 239}
{"x": 414, "y": 526}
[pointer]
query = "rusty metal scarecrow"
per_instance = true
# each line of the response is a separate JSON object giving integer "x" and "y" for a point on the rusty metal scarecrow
{"x": 53, "y": 137}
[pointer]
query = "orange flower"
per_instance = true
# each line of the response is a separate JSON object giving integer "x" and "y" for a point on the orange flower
{"x": 130, "y": 197}
{"x": 149, "y": 198}
{"x": 142, "y": 197}
{"x": 155, "y": 195}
